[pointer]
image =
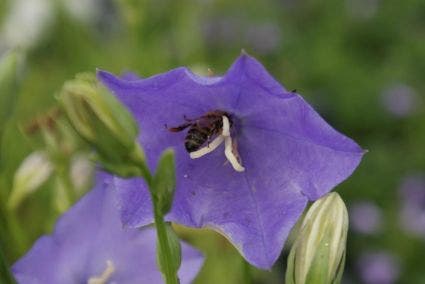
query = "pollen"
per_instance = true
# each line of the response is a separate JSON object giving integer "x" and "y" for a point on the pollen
{"x": 105, "y": 276}
{"x": 230, "y": 149}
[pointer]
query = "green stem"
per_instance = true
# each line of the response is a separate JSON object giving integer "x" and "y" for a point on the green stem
{"x": 161, "y": 231}
{"x": 5, "y": 275}
{"x": 12, "y": 231}
{"x": 138, "y": 158}
{"x": 170, "y": 274}
{"x": 63, "y": 174}
{"x": 9, "y": 235}
{"x": 17, "y": 233}
{"x": 247, "y": 273}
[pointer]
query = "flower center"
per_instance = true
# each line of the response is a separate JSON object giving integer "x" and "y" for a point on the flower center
{"x": 105, "y": 276}
{"x": 230, "y": 147}
{"x": 215, "y": 124}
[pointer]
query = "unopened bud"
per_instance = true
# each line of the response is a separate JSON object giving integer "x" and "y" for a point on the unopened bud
{"x": 318, "y": 254}
{"x": 102, "y": 121}
{"x": 31, "y": 174}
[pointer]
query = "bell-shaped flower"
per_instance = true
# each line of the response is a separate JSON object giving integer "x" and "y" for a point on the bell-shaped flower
{"x": 249, "y": 154}
{"x": 90, "y": 245}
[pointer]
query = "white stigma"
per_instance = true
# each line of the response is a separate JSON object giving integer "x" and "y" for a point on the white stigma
{"x": 226, "y": 126}
{"x": 207, "y": 149}
{"x": 229, "y": 148}
{"x": 231, "y": 155}
{"x": 105, "y": 276}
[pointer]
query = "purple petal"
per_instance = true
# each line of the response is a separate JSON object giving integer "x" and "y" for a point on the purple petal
{"x": 89, "y": 235}
{"x": 290, "y": 153}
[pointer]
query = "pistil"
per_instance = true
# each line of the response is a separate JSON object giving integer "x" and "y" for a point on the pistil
{"x": 207, "y": 149}
{"x": 105, "y": 276}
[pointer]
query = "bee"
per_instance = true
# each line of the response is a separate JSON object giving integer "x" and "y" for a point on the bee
{"x": 201, "y": 129}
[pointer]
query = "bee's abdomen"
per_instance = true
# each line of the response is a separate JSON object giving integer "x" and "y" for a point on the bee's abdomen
{"x": 195, "y": 138}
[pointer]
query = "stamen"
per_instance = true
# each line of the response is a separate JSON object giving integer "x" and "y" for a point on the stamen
{"x": 230, "y": 150}
{"x": 104, "y": 277}
{"x": 230, "y": 155}
{"x": 207, "y": 149}
{"x": 226, "y": 126}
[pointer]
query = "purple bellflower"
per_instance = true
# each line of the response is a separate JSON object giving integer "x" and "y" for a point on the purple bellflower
{"x": 90, "y": 245}
{"x": 268, "y": 154}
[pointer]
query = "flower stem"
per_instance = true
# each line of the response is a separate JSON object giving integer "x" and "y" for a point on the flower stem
{"x": 247, "y": 273}
{"x": 5, "y": 275}
{"x": 10, "y": 225}
{"x": 63, "y": 172}
{"x": 169, "y": 273}
{"x": 17, "y": 232}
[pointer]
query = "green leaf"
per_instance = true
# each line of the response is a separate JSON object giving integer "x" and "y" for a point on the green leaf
{"x": 164, "y": 182}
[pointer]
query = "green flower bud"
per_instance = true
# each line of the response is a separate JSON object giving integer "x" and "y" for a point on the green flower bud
{"x": 31, "y": 174}
{"x": 105, "y": 123}
{"x": 318, "y": 254}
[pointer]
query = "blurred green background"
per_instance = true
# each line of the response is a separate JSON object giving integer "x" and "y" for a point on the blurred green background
{"x": 360, "y": 63}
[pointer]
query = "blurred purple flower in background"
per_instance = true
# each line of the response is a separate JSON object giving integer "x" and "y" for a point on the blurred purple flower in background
{"x": 412, "y": 193}
{"x": 365, "y": 217}
{"x": 263, "y": 38}
{"x": 378, "y": 268}
{"x": 89, "y": 245}
{"x": 400, "y": 100}
{"x": 254, "y": 193}
{"x": 222, "y": 31}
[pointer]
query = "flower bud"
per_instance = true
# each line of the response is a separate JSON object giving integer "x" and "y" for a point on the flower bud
{"x": 31, "y": 174}
{"x": 102, "y": 121}
{"x": 318, "y": 254}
